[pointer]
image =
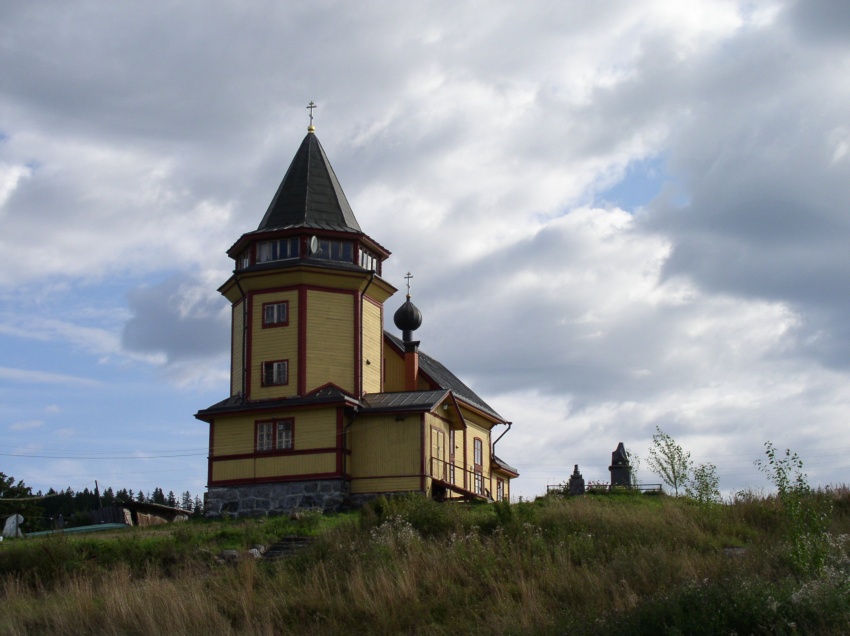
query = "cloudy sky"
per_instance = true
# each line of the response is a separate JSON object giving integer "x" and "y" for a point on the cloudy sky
{"x": 619, "y": 215}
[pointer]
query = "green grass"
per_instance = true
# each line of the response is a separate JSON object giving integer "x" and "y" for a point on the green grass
{"x": 593, "y": 565}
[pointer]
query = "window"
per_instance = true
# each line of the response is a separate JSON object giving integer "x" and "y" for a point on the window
{"x": 274, "y": 435}
{"x": 500, "y": 489}
{"x": 478, "y": 460}
{"x": 275, "y": 373}
{"x": 243, "y": 260}
{"x": 277, "y": 250}
{"x": 368, "y": 260}
{"x": 451, "y": 456}
{"x": 331, "y": 250}
{"x": 275, "y": 314}
{"x": 264, "y": 436}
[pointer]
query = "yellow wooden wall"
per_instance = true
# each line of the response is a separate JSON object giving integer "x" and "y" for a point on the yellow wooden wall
{"x": 394, "y": 373}
{"x": 393, "y": 370}
{"x": 237, "y": 339}
{"x": 385, "y": 453}
{"x": 432, "y": 424}
{"x": 233, "y": 436}
{"x": 373, "y": 338}
{"x": 273, "y": 467}
{"x": 313, "y": 429}
{"x": 330, "y": 340}
{"x": 274, "y": 343}
{"x": 386, "y": 484}
{"x": 472, "y": 431}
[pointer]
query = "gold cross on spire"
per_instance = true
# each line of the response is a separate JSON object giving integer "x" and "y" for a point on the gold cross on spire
{"x": 408, "y": 277}
{"x": 310, "y": 107}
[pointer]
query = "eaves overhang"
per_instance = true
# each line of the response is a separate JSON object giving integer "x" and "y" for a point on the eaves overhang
{"x": 237, "y": 405}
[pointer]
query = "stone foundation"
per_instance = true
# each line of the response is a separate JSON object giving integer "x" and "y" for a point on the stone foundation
{"x": 329, "y": 495}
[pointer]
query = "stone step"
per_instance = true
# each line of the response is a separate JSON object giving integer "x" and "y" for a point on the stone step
{"x": 287, "y": 546}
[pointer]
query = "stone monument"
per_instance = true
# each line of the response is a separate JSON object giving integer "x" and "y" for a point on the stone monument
{"x": 621, "y": 471}
{"x": 576, "y": 483}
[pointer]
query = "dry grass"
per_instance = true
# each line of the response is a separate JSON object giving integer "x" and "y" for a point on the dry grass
{"x": 590, "y": 565}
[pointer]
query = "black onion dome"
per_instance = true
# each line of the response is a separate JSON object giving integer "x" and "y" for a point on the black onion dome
{"x": 408, "y": 317}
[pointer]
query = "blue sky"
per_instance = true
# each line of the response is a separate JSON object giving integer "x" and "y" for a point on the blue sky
{"x": 619, "y": 216}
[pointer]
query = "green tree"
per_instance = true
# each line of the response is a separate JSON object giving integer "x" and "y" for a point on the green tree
{"x": 27, "y": 505}
{"x": 634, "y": 466}
{"x": 667, "y": 460}
{"x": 703, "y": 485}
{"x": 808, "y": 516}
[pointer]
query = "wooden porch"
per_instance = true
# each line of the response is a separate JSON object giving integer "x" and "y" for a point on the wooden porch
{"x": 468, "y": 483}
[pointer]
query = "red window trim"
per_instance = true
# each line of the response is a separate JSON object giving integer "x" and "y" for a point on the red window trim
{"x": 274, "y": 422}
{"x": 263, "y": 373}
{"x": 272, "y": 325}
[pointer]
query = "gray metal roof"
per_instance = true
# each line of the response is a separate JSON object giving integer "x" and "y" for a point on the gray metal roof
{"x": 237, "y": 403}
{"x": 504, "y": 465}
{"x": 446, "y": 379}
{"x": 404, "y": 400}
{"x": 310, "y": 195}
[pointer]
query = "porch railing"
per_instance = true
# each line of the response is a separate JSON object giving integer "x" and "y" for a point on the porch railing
{"x": 469, "y": 479}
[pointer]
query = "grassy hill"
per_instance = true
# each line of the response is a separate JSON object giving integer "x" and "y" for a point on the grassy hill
{"x": 602, "y": 564}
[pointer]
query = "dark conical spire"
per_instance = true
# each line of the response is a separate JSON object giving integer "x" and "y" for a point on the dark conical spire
{"x": 310, "y": 194}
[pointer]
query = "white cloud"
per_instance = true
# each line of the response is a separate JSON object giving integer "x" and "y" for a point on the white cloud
{"x": 10, "y": 175}
{"x": 26, "y": 425}
{"x": 41, "y": 377}
{"x": 474, "y": 149}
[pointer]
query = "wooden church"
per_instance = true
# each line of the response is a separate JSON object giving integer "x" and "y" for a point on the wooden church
{"x": 326, "y": 409}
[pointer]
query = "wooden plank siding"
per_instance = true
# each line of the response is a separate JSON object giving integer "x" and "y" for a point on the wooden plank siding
{"x": 237, "y": 349}
{"x": 437, "y": 434}
{"x": 473, "y": 431}
{"x": 373, "y": 339}
{"x": 315, "y": 437}
{"x": 276, "y": 468}
{"x": 272, "y": 344}
{"x": 385, "y": 484}
{"x": 330, "y": 340}
{"x": 383, "y": 448}
{"x": 393, "y": 370}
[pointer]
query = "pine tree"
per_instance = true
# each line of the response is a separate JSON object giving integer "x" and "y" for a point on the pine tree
{"x": 9, "y": 491}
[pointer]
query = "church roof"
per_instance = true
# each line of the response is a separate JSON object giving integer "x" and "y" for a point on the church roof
{"x": 236, "y": 403}
{"x": 404, "y": 400}
{"x": 446, "y": 379}
{"x": 310, "y": 195}
{"x": 505, "y": 466}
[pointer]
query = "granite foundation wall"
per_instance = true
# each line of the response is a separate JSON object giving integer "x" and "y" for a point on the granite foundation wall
{"x": 259, "y": 500}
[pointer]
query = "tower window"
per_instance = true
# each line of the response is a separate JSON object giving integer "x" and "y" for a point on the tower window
{"x": 368, "y": 260}
{"x": 275, "y": 435}
{"x": 332, "y": 250}
{"x": 277, "y": 250}
{"x": 276, "y": 373}
{"x": 243, "y": 260}
{"x": 276, "y": 314}
{"x": 479, "y": 452}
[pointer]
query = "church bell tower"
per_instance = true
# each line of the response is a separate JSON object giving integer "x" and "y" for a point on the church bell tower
{"x": 307, "y": 302}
